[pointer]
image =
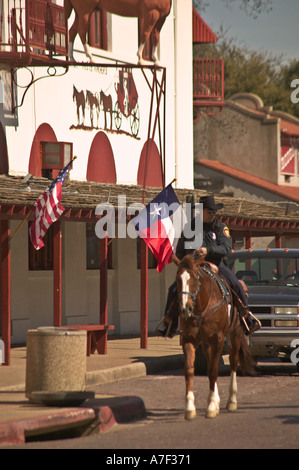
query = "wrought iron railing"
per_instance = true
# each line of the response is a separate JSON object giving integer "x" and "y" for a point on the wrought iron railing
{"x": 32, "y": 26}
{"x": 208, "y": 81}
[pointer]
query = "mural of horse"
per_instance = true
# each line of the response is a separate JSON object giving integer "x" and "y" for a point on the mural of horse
{"x": 152, "y": 12}
{"x": 79, "y": 97}
{"x": 106, "y": 100}
{"x": 94, "y": 104}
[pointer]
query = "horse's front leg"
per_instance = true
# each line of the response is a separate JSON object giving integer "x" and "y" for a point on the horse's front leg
{"x": 232, "y": 403}
{"x": 189, "y": 354}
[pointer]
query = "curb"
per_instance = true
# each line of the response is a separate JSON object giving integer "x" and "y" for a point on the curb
{"x": 73, "y": 422}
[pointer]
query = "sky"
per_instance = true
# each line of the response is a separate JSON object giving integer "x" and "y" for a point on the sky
{"x": 276, "y": 32}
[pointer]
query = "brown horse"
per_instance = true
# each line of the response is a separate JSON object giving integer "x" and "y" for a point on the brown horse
{"x": 205, "y": 318}
{"x": 152, "y": 12}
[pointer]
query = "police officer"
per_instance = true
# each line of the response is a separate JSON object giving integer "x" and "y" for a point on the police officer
{"x": 216, "y": 246}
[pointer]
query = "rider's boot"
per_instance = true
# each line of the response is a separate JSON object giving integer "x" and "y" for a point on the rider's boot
{"x": 168, "y": 330}
{"x": 250, "y": 323}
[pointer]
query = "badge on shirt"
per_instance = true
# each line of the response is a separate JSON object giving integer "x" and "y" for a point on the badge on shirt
{"x": 226, "y": 232}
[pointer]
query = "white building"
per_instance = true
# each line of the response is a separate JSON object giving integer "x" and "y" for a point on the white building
{"x": 141, "y": 124}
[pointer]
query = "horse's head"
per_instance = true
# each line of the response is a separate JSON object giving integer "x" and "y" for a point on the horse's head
{"x": 188, "y": 284}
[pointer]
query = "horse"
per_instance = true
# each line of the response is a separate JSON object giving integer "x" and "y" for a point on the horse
{"x": 204, "y": 315}
{"x": 78, "y": 96}
{"x": 152, "y": 12}
{"x": 106, "y": 100}
{"x": 93, "y": 102}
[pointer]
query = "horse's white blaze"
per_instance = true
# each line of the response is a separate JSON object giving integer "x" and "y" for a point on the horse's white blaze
{"x": 233, "y": 389}
{"x": 213, "y": 403}
{"x": 185, "y": 277}
{"x": 190, "y": 410}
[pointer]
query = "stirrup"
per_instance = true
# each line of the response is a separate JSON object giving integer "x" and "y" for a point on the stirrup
{"x": 245, "y": 324}
{"x": 158, "y": 333}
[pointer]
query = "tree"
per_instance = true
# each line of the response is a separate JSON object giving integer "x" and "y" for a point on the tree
{"x": 253, "y": 71}
{"x": 251, "y": 7}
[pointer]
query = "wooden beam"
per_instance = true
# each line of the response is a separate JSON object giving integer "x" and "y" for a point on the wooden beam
{"x": 5, "y": 290}
{"x": 57, "y": 255}
{"x": 103, "y": 320}
{"x": 144, "y": 294}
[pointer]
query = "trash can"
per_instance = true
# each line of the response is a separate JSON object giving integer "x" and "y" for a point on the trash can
{"x": 56, "y": 360}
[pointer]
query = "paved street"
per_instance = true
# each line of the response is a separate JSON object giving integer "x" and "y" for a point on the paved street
{"x": 267, "y": 416}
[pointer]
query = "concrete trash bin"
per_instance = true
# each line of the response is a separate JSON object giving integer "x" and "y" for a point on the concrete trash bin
{"x": 56, "y": 360}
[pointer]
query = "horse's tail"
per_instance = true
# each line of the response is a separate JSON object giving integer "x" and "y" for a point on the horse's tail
{"x": 247, "y": 362}
{"x": 67, "y": 8}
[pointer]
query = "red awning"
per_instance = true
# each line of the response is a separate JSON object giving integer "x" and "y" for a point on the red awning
{"x": 202, "y": 33}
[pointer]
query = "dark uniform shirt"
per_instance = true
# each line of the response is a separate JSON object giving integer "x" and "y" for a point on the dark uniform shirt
{"x": 216, "y": 238}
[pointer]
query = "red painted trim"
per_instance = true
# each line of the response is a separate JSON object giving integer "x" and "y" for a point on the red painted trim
{"x": 5, "y": 289}
{"x": 57, "y": 255}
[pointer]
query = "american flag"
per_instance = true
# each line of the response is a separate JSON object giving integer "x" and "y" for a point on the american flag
{"x": 48, "y": 209}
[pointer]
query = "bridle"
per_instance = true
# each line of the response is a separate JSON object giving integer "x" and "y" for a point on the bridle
{"x": 190, "y": 313}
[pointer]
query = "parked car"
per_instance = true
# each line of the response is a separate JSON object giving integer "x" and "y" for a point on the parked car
{"x": 272, "y": 278}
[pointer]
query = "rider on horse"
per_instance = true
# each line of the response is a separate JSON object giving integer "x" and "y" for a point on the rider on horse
{"x": 216, "y": 246}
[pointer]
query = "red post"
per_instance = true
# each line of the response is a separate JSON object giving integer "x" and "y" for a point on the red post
{"x": 144, "y": 294}
{"x": 5, "y": 290}
{"x": 278, "y": 240}
{"x": 57, "y": 252}
{"x": 104, "y": 288}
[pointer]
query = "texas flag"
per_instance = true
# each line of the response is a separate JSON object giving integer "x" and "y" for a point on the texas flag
{"x": 160, "y": 225}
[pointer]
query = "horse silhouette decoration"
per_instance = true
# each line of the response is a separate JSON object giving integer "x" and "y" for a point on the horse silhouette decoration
{"x": 152, "y": 14}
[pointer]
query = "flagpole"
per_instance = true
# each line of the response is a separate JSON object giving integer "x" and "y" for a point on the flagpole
{"x": 20, "y": 225}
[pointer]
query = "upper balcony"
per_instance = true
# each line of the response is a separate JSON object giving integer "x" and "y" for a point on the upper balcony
{"x": 208, "y": 82}
{"x": 32, "y": 32}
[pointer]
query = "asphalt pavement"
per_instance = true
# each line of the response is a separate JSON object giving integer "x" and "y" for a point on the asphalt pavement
{"x": 22, "y": 421}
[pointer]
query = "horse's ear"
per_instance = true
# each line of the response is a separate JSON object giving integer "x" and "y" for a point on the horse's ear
{"x": 176, "y": 260}
{"x": 199, "y": 259}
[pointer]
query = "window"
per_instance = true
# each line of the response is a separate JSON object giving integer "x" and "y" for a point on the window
{"x": 97, "y": 31}
{"x": 55, "y": 156}
{"x": 93, "y": 249}
{"x": 41, "y": 260}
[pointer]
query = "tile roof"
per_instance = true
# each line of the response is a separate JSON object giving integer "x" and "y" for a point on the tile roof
{"x": 290, "y": 193}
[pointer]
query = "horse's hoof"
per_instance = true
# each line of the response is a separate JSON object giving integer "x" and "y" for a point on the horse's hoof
{"x": 190, "y": 414}
{"x": 212, "y": 413}
{"x": 232, "y": 406}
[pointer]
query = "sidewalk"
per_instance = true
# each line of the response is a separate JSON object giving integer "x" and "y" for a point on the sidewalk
{"x": 21, "y": 420}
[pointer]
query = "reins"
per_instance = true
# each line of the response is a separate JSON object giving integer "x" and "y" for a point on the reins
{"x": 193, "y": 295}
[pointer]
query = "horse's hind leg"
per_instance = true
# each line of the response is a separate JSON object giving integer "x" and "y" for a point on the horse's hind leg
{"x": 189, "y": 354}
{"x": 150, "y": 19}
{"x": 156, "y": 37}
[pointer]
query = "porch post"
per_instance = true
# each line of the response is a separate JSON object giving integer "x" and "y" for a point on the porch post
{"x": 104, "y": 288}
{"x": 277, "y": 240}
{"x": 57, "y": 254}
{"x": 5, "y": 290}
{"x": 144, "y": 294}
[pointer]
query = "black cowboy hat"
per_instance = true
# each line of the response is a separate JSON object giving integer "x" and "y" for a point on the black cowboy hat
{"x": 208, "y": 202}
